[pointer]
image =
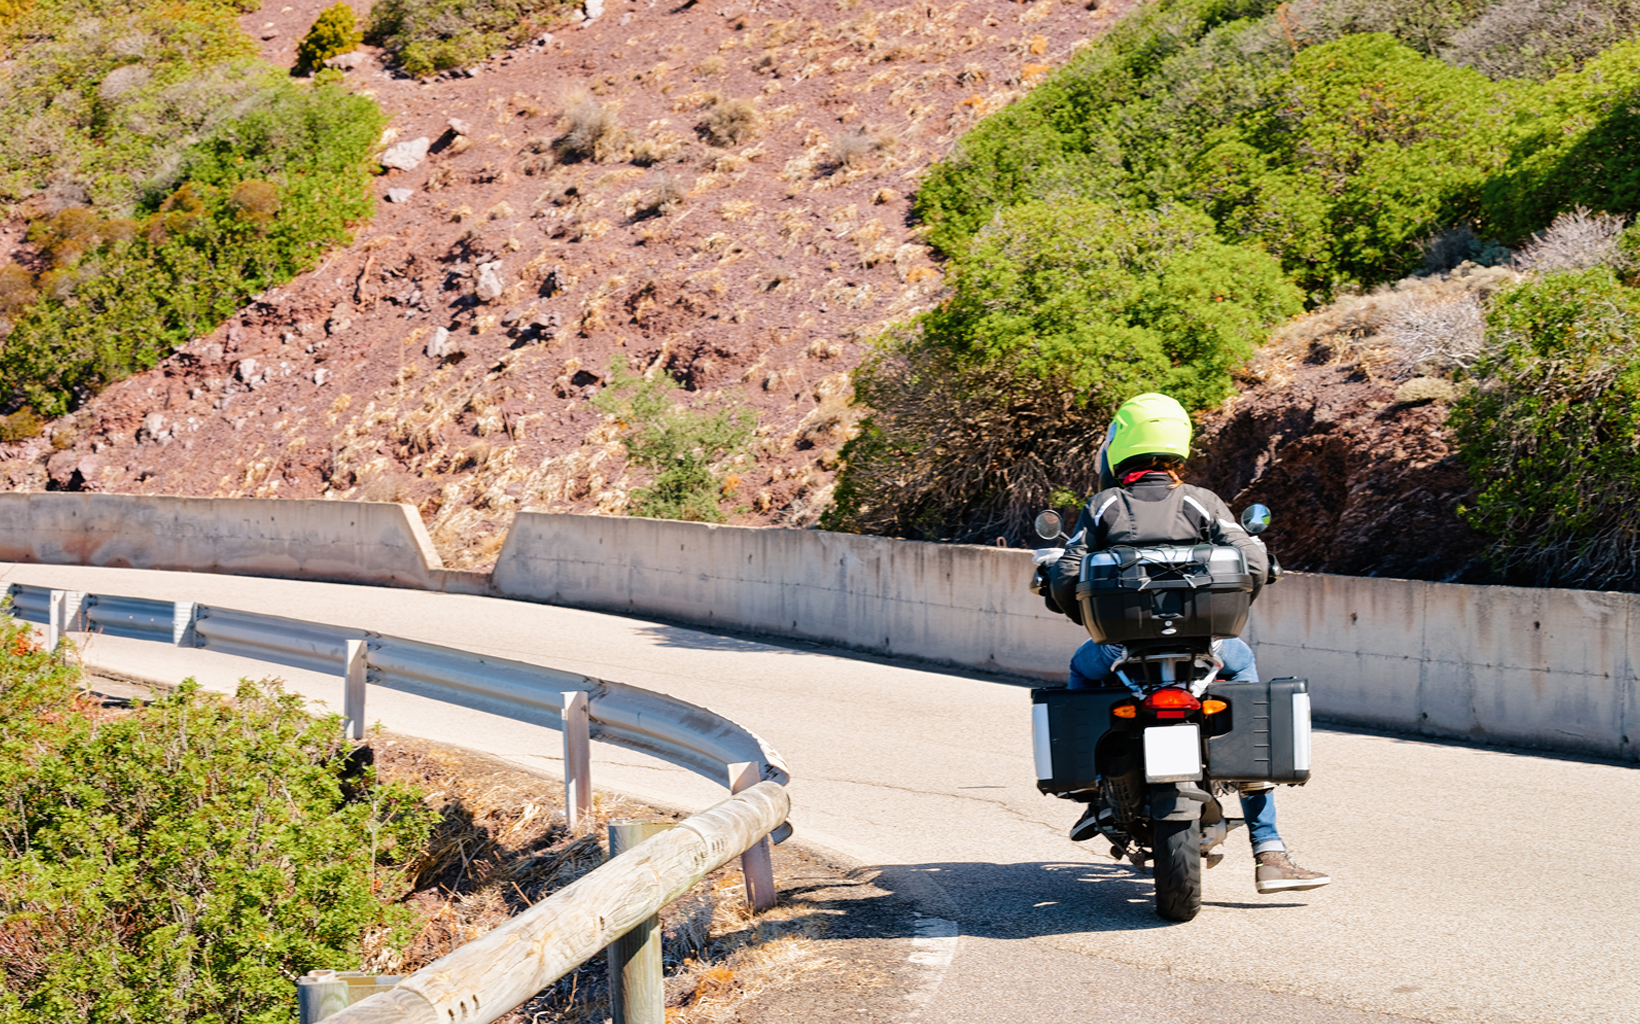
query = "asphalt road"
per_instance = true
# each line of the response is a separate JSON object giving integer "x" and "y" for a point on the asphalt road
{"x": 1469, "y": 884}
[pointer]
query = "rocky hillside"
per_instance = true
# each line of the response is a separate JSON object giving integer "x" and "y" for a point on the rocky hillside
{"x": 719, "y": 191}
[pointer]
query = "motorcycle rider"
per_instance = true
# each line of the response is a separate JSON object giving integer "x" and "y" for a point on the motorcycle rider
{"x": 1144, "y": 502}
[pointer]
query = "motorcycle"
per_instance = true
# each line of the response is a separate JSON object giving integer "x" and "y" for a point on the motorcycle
{"x": 1161, "y": 753}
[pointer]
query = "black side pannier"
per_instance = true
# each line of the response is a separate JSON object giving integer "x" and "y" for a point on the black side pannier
{"x": 1154, "y": 593}
{"x": 1264, "y": 735}
{"x": 1066, "y": 726}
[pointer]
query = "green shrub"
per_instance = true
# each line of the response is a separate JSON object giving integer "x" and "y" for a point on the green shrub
{"x": 1551, "y": 436}
{"x": 427, "y": 36}
{"x": 264, "y": 196}
{"x": 684, "y": 448}
{"x": 186, "y": 861}
{"x": 1058, "y": 313}
{"x": 1577, "y": 151}
{"x": 334, "y": 32}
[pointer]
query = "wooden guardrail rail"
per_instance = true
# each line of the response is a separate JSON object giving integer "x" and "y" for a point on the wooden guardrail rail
{"x": 493, "y": 974}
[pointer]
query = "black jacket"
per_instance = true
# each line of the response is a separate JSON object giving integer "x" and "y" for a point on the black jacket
{"x": 1147, "y": 512}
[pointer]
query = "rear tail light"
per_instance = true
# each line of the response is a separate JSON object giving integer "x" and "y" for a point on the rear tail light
{"x": 1172, "y": 698}
{"x": 1172, "y": 702}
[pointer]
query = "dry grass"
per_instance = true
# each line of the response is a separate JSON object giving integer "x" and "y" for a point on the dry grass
{"x": 728, "y": 122}
{"x": 502, "y": 845}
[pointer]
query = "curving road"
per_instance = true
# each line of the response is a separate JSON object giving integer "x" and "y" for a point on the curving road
{"x": 1470, "y": 884}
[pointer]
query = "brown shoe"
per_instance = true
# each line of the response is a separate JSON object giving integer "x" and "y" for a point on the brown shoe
{"x": 1276, "y": 872}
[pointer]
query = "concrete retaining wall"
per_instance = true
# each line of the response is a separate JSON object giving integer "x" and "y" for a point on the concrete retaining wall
{"x": 953, "y": 603}
{"x": 1545, "y": 668}
{"x": 337, "y": 541}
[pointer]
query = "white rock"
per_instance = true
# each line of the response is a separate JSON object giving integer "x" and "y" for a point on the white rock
{"x": 399, "y": 195}
{"x": 346, "y": 61}
{"x": 153, "y": 426}
{"x": 460, "y": 127}
{"x": 406, "y": 156}
{"x": 443, "y": 344}
{"x": 246, "y": 370}
{"x": 490, "y": 285}
{"x": 320, "y": 376}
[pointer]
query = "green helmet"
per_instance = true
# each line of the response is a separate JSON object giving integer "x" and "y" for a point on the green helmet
{"x": 1150, "y": 424}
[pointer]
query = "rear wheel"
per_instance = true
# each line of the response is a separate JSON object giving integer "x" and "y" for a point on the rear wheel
{"x": 1178, "y": 868}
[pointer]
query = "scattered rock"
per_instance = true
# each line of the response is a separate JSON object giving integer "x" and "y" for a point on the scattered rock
{"x": 321, "y": 376}
{"x": 269, "y": 33}
{"x": 153, "y": 428}
{"x": 460, "y": 127}
{"x": 511, "y": 316}
{"x": 245, "y": 371}
{"x": 490, "y": 285}
{"x": 399, "y": 195}
{"x": 346, "y": 61}
{"x": 443, "y": 344}
{"x": 406, "y": 156}
{"x": 341, "y": 318}
{"x": 211, "y": 353}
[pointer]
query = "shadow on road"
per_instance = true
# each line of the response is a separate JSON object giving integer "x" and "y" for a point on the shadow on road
{"x": 1027, "y": 900}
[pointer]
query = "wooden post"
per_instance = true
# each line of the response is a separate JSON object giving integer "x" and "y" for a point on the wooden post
{"x": 577, "y": 757}
{"x": 637, "y": 991}
{"x": 353, "y": 668}
{"x": 489, "y": 976}
{"x": 320, "y": 994}
{"x": 757, "y": 863}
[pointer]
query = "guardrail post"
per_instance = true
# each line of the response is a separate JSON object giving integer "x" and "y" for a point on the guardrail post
{"x": 182, "y": 624}
{"x": 637, "y": 991}
{"x": 353, "y": 695}
{"x": 56, "y": 618}
{"x": 320, "y": 994}
{"x": 757, "y": 863}
{"x": 577, "y": 757}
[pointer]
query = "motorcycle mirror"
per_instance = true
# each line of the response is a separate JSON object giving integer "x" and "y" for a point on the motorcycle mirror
{"x": 1048, "y": 525}
{"x": 1255, "y": 519}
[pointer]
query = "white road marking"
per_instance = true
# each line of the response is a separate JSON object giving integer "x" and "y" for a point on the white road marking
{"x": 932, "y": 949}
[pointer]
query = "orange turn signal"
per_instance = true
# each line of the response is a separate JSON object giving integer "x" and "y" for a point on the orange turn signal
{"x": 1212, "y": 706}
{"x": 1125, "y": 710}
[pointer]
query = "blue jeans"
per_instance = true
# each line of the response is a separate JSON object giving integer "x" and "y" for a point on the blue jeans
{"x": 1091, "y": 665}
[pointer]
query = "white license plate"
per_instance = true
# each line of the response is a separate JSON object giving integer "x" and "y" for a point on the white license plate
{"x": 1173, "y": 753}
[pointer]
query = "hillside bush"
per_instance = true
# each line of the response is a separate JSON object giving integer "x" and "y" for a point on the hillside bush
{"x": 1576, "y": 150}
{"x": 103, "y": 98}
{"x": 1551, "y": 435}
{"x": 429, "y": 36}
{"x": 186, "y": 861}
{"x": 1058, "y": 313}
{"x": 685, "y": 449}
{"x": 263, "y": 197}
{"x": 1540, "y": 38}
{"x": 334, "y": 32}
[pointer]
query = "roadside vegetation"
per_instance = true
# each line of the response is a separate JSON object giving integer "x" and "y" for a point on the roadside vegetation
{"x": 1292, "y": 156}
{"x": 188, "y": 859}
{"x": 167, "y": 176}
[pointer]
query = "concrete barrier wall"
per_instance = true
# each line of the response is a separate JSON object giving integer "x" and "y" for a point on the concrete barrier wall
{"x": 953, "y": 603}
{"x": 338, "y": 541}
{"x": 1545, "y": 668}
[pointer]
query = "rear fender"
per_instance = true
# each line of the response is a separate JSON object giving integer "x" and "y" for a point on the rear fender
{"x": 1177, "y": 801}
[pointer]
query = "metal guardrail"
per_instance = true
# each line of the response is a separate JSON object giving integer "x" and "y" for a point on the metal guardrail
{"x": 562, "y": 932}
